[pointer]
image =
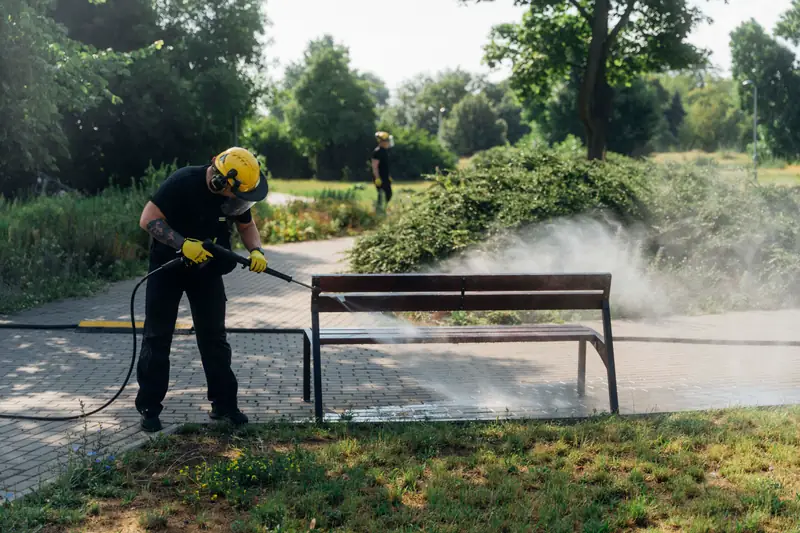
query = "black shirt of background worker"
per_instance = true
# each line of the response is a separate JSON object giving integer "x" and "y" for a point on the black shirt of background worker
{"x": 382, "y": 155}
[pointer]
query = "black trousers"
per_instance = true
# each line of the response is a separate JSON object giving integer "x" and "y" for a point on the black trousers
{"x": 384, "y": 189}
{"x": 206, "y": 293}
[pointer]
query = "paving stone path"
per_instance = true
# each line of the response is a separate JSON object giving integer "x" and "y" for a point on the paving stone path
{"x": 50, "y": 372}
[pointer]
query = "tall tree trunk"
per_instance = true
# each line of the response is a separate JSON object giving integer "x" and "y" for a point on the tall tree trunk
{"x": 600, "y": 116}
{"x": 593, "y": 89}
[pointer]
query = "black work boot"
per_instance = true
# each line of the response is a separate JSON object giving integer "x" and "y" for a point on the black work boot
{"x": 151, "y": 423}
{"x": 233, "y": 416}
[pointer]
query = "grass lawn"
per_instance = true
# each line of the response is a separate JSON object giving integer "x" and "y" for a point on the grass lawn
{"x": 364, "y": 192}
{"x": 737, "y": 166}
{"x": 731, "y": 471}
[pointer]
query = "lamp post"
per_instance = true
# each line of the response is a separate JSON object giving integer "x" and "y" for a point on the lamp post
{"x": 755, "y": 126}
{"x": 441, "y": 114}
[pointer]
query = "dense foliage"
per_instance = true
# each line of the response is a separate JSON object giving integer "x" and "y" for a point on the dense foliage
{"x": 603, "y": 42}
{"x": 273, "y": 141}
{"x": 332, "y": 111}
{"x": 473, "y": 126}
{"x": 417, "y": 153}
{"x": 505, "y": 188}
{"x": 65, "y": 246}
{"x": 171, "y": 81}
{"x": 709, "y": 241}
{"x": 46, "y": 75}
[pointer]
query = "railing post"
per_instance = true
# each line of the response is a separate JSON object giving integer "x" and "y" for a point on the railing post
{"x": 315, "y": 347}
{"x": 582, "y": 368}
{"x": 306, "y": 367}
{"x": 610, "y": 366}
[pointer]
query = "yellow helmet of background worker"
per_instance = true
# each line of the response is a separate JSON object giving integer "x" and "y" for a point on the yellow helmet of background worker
{"x": 239, "y": 169}
{"x": 382, "y": 136}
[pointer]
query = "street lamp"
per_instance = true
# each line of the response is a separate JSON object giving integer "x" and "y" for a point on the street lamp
{"x": 755, "y": 125}
{"x": 441, "y": 113}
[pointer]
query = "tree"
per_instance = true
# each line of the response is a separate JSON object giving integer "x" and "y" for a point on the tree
{"x": 759, "y": 57}
{"x": 634, "y": 126}
{"x": 508, "y": 108}
{"x": 473, "y": 126}
{"x": 674, "y": 115}
{"x": 789, "y": 24}
{"x": 377, "y": 88}
{"x": 332, "y": 110}
{"x": 179, "y": 105}
{"x": 422, "y": 98}
{"x": 713, "y": 119}
{"x": 45, "y": 75}
{"x": 271, "y": 139}
{"x": 609, "y": 42}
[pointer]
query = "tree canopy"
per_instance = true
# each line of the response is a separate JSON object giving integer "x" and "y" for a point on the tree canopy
{"x": 332, "y": 110}
{"x": 604, "y": 42}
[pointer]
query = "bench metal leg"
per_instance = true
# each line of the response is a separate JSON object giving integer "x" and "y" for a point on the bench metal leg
{"x": 306, "y": 368}
{"x": 610, "y": 366}
{"x": 582, "y": 368}
{"x": 315, "y": 347}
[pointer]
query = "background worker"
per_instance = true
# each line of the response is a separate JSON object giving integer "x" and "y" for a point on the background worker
{"x": 380, "y": 166}
{"x": 194, "y": 204}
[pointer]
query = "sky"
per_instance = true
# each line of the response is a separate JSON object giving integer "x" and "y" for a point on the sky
{"x": 397, "y": 39}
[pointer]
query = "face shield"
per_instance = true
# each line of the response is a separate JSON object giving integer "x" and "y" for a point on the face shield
{"x": 241, "y": 201}
{"x": 233, "y": 207}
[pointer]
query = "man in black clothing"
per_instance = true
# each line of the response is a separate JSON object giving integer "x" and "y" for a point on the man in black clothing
{"x": 380, "y": 166}
{"x": 194, "y": 204}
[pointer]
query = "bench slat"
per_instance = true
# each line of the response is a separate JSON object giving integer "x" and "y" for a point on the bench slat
{"x": 455, "y": 335}
{"x": 344, "y": 283}
{"x": 425, "y": 330}
{"x": 577, "y": 300}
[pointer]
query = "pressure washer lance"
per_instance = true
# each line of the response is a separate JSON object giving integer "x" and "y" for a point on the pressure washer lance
{"x": 217, "y": 251}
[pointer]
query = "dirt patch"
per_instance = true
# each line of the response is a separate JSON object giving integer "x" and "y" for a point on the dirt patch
{"x": 118, "y": 517}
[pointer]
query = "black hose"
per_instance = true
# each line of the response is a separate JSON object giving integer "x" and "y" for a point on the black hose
{"x": 54, "y": 327}
{"x": 174, "y": 262}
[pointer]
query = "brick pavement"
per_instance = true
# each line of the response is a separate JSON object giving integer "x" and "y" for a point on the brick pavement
{"x": 50, "y": 372}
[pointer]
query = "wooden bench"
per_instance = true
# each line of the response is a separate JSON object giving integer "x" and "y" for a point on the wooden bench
{"x": 369, "y": 293}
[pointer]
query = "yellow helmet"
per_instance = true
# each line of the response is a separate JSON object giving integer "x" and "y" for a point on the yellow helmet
{"x": 246, "y": 167}
{"x": 382, "y": 136}
{"x": 239, "y": 169}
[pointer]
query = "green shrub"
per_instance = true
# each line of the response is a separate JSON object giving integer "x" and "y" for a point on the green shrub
{"x": 270, "y": 138}
{"x": 706, "y": 242}
{"x": 417, "y": 153}
{"x": 55, "y": 247}
{"x": 299, "y": 221}
{"x": 503, "y": 188}
{"x": 69, "y": 246}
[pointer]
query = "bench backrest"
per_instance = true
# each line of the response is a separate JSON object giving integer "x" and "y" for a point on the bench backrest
{"x": 452, "y": 292}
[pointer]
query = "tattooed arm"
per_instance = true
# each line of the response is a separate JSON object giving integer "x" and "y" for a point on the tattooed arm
{"x": 154, "y": 222}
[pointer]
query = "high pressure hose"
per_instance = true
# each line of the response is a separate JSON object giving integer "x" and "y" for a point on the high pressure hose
{"x": 219, "y": 251}
{"x": 216, "y": 250}
{"x": 172, "y": 264}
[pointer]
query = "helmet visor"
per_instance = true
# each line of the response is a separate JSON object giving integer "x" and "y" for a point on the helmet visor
{"x": 233, "y": 207}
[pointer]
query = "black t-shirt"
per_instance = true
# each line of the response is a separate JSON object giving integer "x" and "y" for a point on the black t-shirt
{"x": 193, "y": 210}
{"x": 382, "y": 155}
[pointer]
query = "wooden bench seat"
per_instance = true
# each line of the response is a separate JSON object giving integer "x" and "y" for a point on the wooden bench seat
{"x": 441, "y": 292}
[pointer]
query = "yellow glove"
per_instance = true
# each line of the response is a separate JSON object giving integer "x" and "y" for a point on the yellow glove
{"x": 378, "y": 182}
{"x": 193, "y": 250}
{"x": 258, "y": 263}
